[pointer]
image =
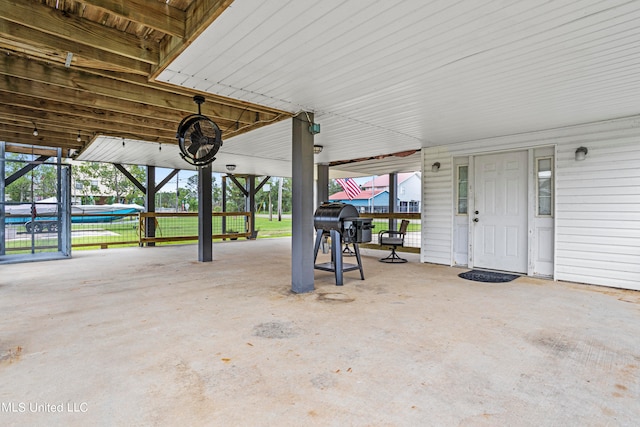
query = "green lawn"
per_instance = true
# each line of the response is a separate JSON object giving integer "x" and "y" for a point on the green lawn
{"x": 127, "y": 230}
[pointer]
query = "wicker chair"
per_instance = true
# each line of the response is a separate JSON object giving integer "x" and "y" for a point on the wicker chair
{"x": 394, "y": 239}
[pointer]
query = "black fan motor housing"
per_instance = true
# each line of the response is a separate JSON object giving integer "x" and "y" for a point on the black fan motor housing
{"x": 190, "y": 129}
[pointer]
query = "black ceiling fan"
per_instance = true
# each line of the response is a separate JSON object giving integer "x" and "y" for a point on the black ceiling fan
{"x": 199, "y": 138}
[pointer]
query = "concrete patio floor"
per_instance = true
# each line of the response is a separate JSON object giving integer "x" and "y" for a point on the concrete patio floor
{"x": 149, "y": 336}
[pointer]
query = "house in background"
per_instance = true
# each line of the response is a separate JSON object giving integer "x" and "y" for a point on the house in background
{"x": 375, "y": 194}
{"x": 408, "y": 192}
{"x": 367, "y": 201}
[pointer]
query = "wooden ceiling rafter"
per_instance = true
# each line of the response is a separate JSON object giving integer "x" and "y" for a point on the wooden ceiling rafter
{"x": 89, "y": 66}
{"x": 155, "y": 95}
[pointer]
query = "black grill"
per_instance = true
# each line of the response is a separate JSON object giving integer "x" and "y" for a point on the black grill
{"x": 341, "y": 222}
{"x": 344, "y": 219}
{"x": 330, "y": 216}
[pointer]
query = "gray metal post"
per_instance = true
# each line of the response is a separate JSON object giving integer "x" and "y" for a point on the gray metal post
{"x": 302, "y": 204}
{"x": 224, "y": 204}
{"x": 65, "y": 212}
{"x": 322, "y": 190}
{"x": 250, "y": 202}
{"x": 59, "y": 197}
{"x": 205, "y": 208}
{"x": 150, "y": 203}
{"x": 393, "y": 199}
{"x": 2, "y": 197}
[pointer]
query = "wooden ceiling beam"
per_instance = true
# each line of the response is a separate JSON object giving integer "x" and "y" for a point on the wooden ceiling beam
{"x": 41, "y": 140}
{"x": 87, "y": 130}
{"x": 85, "y": 119}
{"x": 90, "y": 84}
{"x": 153, "y": 14}
{"x": 67, "y": 138}
{"x": 84, "y": 123}
{"x": 61, "y": 24}
{"x": 52, "y": 48}
{"x": 23, "y": 149}
{"x": 200, "y": 14}
{"x": 37, "y": 91}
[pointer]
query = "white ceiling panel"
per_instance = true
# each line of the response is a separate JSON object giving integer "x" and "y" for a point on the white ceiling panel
{"x": 388, "y": 76}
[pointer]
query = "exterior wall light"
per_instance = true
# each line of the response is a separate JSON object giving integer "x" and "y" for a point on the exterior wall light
{"x": 581, "y": 153}
{"x": 317, "y": 149}
{"x": 435, "y": 167}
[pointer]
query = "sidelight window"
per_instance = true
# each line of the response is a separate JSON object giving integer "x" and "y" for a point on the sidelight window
{"x": 544, "y": 174}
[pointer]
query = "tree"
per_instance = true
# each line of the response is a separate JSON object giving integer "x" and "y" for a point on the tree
{"x": 191, "y": 193}
{"x": 42, "y": 179}
{"x": 334, "y": 187}
{"x": 121, "y": 189}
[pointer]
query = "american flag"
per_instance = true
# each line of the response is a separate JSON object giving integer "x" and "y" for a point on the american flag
{"x": 350, "y": 187}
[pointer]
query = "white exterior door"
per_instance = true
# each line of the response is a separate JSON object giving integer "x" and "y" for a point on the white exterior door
{"x": 499, "y": 219}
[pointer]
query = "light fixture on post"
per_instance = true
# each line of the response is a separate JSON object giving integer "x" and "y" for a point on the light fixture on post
{"x": 79, "y": 138}
{"x": 317, "y": 149}
{"x": 435, "y": 167}
{"x": 581, "y": 153}
{"x": 35, "y": 129}
{"x": 231, "y": 167}
{"x": 314, "y": 128}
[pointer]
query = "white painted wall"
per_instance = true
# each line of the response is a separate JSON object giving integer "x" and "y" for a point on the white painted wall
{"x": 597, "y": 201}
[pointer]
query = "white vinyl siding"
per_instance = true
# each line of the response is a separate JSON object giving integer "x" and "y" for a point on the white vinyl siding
{"x": 437, "y": 203}
{"x": 596, "y": 202}
{"x": 598, "y": 213}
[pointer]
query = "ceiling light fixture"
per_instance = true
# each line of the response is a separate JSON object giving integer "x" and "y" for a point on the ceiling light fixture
{"x": 317, "y": 149}
{"x": 231, "y": 167}
{"x": 79, "y": 138}
{"x": 35, "y": 129}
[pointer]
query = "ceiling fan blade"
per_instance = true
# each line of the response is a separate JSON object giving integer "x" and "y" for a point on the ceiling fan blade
{"x": 196, "y": 139}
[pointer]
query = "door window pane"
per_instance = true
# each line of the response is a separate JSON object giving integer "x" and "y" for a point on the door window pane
{"x": 545, "y": 186}
{"x": 463, "y": 184}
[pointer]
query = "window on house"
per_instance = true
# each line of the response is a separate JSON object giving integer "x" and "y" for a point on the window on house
{"x": 463, "y": 185}
{"x": 544, "y": 173}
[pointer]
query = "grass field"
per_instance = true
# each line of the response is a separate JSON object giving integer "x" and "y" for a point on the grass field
{"x": 92, "y": 235}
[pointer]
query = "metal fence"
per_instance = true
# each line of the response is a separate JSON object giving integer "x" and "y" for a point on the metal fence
{"x": 183, "y": 226}
{"x": 391, "y": 221}
{"x": 98, "y": 231}
{"x": 104, "y": 230}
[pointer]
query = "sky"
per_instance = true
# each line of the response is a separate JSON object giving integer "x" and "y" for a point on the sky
{"x": 183, "y": 176}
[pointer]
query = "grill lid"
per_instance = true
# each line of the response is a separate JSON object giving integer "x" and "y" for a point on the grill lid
{"x": 330, "y": 216}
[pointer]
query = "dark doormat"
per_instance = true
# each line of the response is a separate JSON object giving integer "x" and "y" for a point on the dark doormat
{"x": 488, "y": 276}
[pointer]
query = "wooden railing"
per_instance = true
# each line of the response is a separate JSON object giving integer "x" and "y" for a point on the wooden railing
{"x": 391, "y": 221}
{"x": 183, "y": 226}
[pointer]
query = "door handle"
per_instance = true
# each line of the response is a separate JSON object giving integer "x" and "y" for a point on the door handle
{"x": 475, "y": 220}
